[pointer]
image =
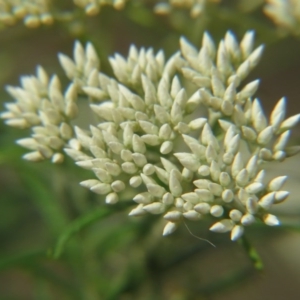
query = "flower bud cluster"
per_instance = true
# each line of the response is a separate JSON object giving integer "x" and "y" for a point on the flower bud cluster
{"x": 152, "y": 141}
{"x": 42, "y": 106}
{"x": 93, "y": 7}
{"x": 285, "y": 14}
{"x": 34, "y": 12}
{"x": 196, "y": 7}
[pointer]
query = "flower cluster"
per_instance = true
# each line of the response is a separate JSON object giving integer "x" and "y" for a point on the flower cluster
{"x": 285, "y": 13}
{"x": 93, "y": 7}
{"x": 33, "y": 12}
{"x": 184, "y": 135}
{"x": 42, "y": 106}
{"x": 37, "y": 12}
{"x": 196, "y": 7}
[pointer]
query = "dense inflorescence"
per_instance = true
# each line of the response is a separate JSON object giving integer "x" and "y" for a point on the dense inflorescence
{"x": 37, "y": 12}
{"x": 196, "y": 7}
{"x": 184, "y": 135}
{"x": 285, "y": 14}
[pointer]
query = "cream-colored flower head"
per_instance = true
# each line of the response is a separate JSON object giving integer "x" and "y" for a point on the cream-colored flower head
{"x": 33, "y": 12}
{"x": 196, "y": 7}
{"x": 184, "y": 136}
{"x": 93, "y": 7}
{"x": 285, "y": 14}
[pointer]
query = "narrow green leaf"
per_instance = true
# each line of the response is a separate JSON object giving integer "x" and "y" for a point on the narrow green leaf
{"x": 77, "y": 225}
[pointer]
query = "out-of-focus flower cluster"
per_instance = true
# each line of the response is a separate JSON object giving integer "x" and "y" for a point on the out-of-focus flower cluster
{"x": 285, "y": 14}
{"x": 196, "y": 7}
{"x": 37, "y": 12}
{"x": 93, "y": 7}
{"x": 33, "y": 12}
{"x": 184, "y": 135}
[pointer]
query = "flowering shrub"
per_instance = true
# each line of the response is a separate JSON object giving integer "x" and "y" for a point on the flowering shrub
{"x": 183, "y": 136}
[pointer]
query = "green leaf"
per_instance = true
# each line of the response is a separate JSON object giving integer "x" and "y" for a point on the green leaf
{"x": 77, "y": 225}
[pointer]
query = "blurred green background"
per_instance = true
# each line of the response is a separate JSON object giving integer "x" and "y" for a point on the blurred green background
{"x": 58, "y": 241}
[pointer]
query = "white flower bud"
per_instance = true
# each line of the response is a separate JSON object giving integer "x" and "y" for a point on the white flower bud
{"x": 204, "y": 170}
{"x": 222, "y": 226}
{"x": 129, "y": 167}
{"x": 271, "y": 220}
{"x": 265, "y": 136}
{"x": 138, "y": 145}
{"x": 254, "y": 187}
{"x": 249, "y": 133}
{"x": 247, "y": 219}
{"x": 166, "y": 147}
{"x": 135, "y": 181}
{"x": 278, "y": 113}
{"x": 224, "y": 179}
{"x": 112, "y": 198}
{"x": 235, "y": 215}
{"x": 217, "y": 210}
{"x": 173, "y": 216}
{"x": 138, "y": 211}
{"x": 192, "y": 215}
{"x": 139, "y": 159}
{"x": 289, "y": 123}
{"x": 188, "y": 160}
{"x": 101, "y": 188}
{"x": 236, "y": 232}
{"x": 251, "y": 205}
{"x": 155, "y": 208}
{"x": 113, "y": 169}
{"x": 281, "y": 196}
{"x": 277, "y": 183}
{"x": 228, "y": 158}
{"x": 148, "y": 169}
{"x": 155, "y": 190}
{"x": 237, "y": 165}
{"x": 170, "y": 228}
{"x": 202, "y": 208}
{"x": 267, "y": 200}
{"x": 227, "y": 196}
{"x": 242, "y": 178}
{"x": 174, "y": 184}
{"x": 191, "y": 197}
{"x": 215, "y": 188}
{"x": 118, "y": 186}
{"x": 126, "y": 155}
{"x": 179, "y": 203}
{"x": 197, "y": 123}
{"x": 168, "y": 199}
